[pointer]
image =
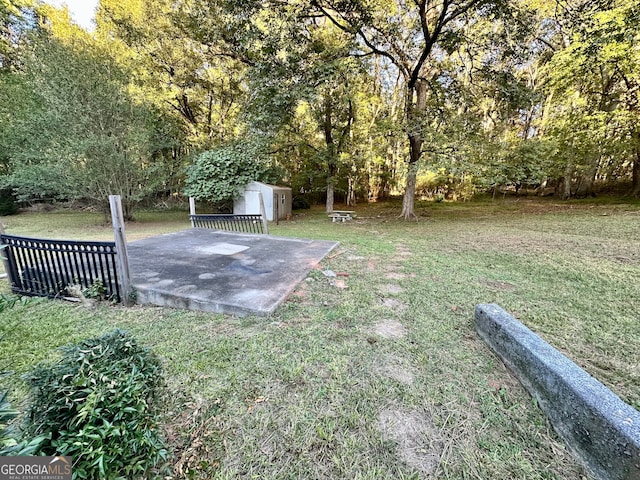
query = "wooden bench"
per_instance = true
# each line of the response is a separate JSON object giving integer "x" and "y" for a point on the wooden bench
{"x": 341, "y": 215}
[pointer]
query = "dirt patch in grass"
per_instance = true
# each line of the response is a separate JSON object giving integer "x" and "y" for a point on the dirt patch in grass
{"x": 396, "y": 368}
{"x": 390, "y": 329}
{"x": 309, "y": 292}
{"x": 402, "y": 252}
{"x": 418, "y": 439}
{"x": 394, "y": 304}
{"x": 391, "y": 289}
{"x": 339, "y": 283}
{"x": 394, "y": 276}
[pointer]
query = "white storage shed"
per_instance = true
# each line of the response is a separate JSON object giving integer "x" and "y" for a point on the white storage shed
{"x": 277, "y": 200}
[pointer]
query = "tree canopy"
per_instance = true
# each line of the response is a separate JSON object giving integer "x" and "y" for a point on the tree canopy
{"x": 349, "y": 101}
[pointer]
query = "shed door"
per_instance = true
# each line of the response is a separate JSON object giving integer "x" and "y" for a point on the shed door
{"x": 252, "y": 200}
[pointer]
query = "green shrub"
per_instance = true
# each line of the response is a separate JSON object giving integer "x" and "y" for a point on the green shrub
{"x": 96, "y": 290}
{"x": 7, "y": 414}
{"x": 7, "y": 203}
{"x": 99, "y": 404}
{"x": 218, "y": 175}
{"x": 300, "y": 203}
{"x": 9, "y": 300}
{"x": 9, "y": 443}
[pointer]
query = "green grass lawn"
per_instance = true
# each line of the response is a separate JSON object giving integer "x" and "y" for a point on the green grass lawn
{"x": 377, "y": 373}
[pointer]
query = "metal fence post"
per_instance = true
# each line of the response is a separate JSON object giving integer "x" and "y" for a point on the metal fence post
{"x": 192, "y": 210}
{"x": 122, "y": 259}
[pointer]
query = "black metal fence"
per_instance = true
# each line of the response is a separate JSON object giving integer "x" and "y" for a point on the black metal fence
{"x": 232, "y": 223}
{"x": 46, "y": 267}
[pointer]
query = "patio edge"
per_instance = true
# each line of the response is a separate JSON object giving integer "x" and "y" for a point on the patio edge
{"x": 597, "y": 426}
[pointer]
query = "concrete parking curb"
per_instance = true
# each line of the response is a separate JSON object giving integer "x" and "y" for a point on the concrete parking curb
{"x": 600, "y": 429}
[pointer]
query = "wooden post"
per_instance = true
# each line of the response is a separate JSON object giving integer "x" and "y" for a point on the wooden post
{"x": 192, "y": 210}
{"x": 122, "y": 259}
{"x": 263, "y": 212}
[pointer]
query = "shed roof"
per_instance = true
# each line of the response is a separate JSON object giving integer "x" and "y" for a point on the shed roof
{"x": 261, "y": 184}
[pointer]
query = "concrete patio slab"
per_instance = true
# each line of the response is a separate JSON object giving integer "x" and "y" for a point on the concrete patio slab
{"x": 222, "y": 272}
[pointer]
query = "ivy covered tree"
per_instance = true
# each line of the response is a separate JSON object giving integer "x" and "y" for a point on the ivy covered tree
{"x": 218, "y": 175}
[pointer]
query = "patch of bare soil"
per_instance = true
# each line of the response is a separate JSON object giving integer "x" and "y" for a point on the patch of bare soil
{"x": 301, "y": 294}
{"x": 338, "y": 283}
{"x": 390, "y": 329}
{"x": 391, "y": 289}
{"x": 418, "y": 439}
{"x": 394, "y": 304}
{"x": 403, "y": 250}
{"x": 533, "y": 205}
{"x": 397, "y": 369}
{"x": 394, "y": 276}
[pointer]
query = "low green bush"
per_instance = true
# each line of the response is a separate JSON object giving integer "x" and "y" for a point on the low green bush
{"x": 7, "y": 203}
{"x": 100, "y": 404}
{"x": 9, "y": 300}
{"x": 9, "y": 443}
{"x": 7, "y": 415}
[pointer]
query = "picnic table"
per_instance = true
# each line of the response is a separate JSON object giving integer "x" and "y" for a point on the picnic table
{"x": 341, "y": 215}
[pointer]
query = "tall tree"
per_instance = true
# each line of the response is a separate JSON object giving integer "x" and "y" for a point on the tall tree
{"x": 176, "y": 67}
{"x": 333, "y": 77}
{"x": 591, "y": 66}
{"x": 77, "y": 133}
{"x": 407, "y": 35}
{"x": 13, "y": 19}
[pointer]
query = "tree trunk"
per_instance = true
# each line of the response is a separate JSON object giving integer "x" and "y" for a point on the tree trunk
{"x": 331, "y": 152}
{"x": 351, "y": 194}
{"x": 635, "y": 179}
{"x": 408, "y": 202}
{"x": 416, "y": 104}
{"x": 635, "y": 183}
{"x": 567, "y": 181}
{"x": 329, "y": 203}
{"x": 586, "y": 183}
{"x": 127, "y": 209}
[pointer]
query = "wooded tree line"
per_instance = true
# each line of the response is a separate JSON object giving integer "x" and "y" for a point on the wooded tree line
{"x": 349, "y": 100}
